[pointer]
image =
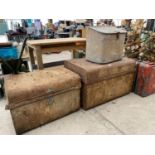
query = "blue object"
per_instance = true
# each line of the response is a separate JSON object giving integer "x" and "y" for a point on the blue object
{"x": 29, "y": 22}
{"x": 3, "y": 28}
{"x": 8, "y": 53}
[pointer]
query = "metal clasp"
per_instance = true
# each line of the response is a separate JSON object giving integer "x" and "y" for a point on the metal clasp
{"x": 50, "y": 99}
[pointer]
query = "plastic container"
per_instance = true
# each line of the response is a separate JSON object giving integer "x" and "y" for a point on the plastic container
{"x": 8, "y": 53}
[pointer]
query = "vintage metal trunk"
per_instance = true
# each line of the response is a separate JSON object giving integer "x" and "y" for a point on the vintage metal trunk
{"x": 145, "y": 81}
{"x": 101, "y": 83}
{"x": 42, "y": 96}
{"x": 104, "y": 44}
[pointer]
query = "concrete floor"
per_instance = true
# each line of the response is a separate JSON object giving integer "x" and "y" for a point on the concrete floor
{"x": 130, "y": 114}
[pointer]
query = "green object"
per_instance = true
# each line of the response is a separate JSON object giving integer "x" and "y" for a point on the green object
{"x": 80, "y": 54}
{"x": 144, "y": 36}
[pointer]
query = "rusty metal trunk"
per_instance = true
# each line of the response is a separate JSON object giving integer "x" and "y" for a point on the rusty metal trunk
{"x": 102, "y": 83}
{"x": 41, "y": 96}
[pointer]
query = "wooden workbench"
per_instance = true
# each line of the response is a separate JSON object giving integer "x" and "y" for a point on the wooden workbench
{"x": 5, "y": 44}
{"x": 53, "y": 45}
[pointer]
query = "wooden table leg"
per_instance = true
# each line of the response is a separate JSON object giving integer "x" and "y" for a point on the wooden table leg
{"x": 31, "y": 55}
{"x": 73, "y": 53}
{"x": 39, "y": 58}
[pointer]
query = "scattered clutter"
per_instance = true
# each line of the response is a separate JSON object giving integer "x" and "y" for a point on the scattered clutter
{"x": 140, "y": 43}
{"x": 141, "y": 46}
{"x": 111, "y": 61}
{"x": 14, "y": 64}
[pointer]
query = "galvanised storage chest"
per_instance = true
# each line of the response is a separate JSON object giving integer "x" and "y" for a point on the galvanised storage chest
{"x": 105, "y": 44}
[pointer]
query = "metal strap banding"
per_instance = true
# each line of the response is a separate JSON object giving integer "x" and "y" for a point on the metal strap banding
{"x": 38, "y": 98}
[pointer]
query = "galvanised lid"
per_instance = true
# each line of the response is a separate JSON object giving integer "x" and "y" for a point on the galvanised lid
{"x": 108, "y": 30}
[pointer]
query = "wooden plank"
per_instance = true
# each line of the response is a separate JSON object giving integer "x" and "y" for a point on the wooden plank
{"x": 54, "y": 41}
{"x": 3, "y": 44}
{"x": 39, "y": 57}
{"x": 74, "y": 55}
{"x": 53, "y": 45}
{"x": 62, "y": 48}
{"x": 32, "y": 59}
{"x": 31, "y": 54}
{"x": 64, "y": 44}
{"x": 51, "y": 64}
{"x": 84, "y": 33}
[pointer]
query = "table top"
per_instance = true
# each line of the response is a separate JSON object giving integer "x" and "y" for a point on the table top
{"x": 54, "y": 41}
{"x": 4, "y": 44}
